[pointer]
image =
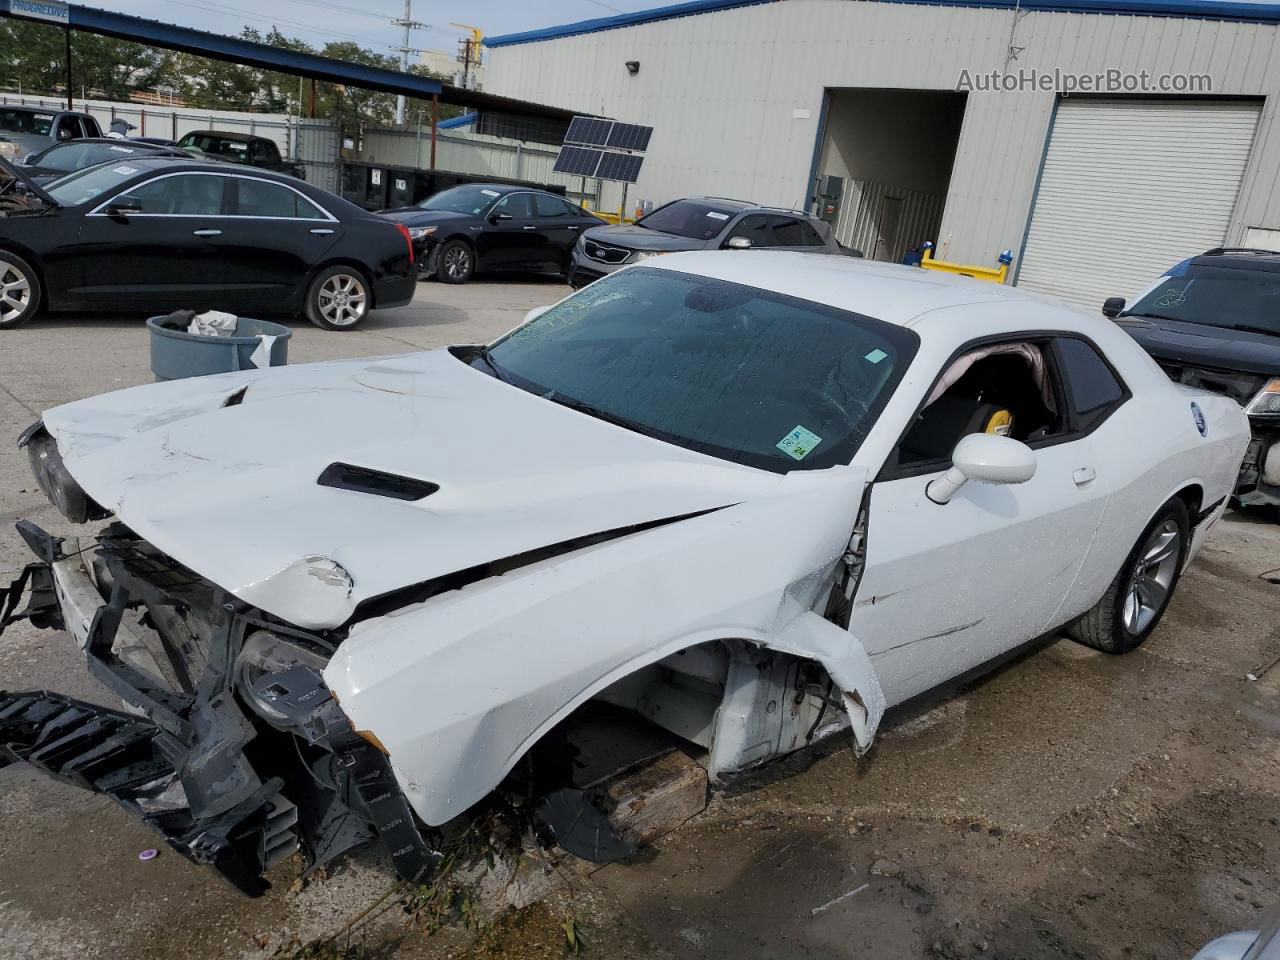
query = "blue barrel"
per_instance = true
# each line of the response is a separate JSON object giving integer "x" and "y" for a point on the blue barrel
{"x": 176, "y": 354}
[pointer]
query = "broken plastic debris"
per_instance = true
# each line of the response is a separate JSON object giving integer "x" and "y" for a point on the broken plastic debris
{"x": 148, "y": 854}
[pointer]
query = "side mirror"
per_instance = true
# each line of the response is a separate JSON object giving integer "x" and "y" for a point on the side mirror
{"x": 534, "y": 314}
{"x": 737, "y": 243}
{"x": 123, "y": 206}
{"x": 1112, "y": 307}
{"x": 986, "y": 458}
{"x": 498, "y": 217}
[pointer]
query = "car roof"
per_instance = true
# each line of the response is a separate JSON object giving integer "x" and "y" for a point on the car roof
{"x": 225, "y": 135}
{"x": 115, "y": 142}
{"x": 1240, "y": 258}
{"x": 906, "y": 296}
{"x": 177, "y": 164}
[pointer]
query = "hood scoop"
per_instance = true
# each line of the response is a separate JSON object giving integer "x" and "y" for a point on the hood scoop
{"x": 346, "y": 476}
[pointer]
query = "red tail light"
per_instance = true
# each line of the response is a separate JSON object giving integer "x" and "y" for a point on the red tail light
{"x": 408, "y": 238}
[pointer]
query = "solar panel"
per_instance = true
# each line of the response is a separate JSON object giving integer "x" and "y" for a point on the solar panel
{"x": 578, "y": 161}
{"x": 629, "y": 136}
{"x": 619, "y": 166}
{"x": 589, "y": 130}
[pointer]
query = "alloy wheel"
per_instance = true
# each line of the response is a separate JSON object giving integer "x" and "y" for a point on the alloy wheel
{"x": 1152, "y": 577}
{"x": 457, "y": 261}
{"x": 343, "y": 300}
{"x": 15, "y": 292}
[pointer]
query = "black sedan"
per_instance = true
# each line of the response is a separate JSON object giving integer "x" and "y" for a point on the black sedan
{"x": 63, "y": 158}
{"x": 488, "y": 226}
{"x": 157, "y": 234}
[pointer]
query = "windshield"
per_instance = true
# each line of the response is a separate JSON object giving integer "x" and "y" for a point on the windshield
{"x": 84, "y": 185}
{"x": 1217, "y": 297}
{"x": 25, "y": 121}
{"x": 696, "y": 219}
{"x": 724, "y": 369}
{"x": 471, "y": 200}
{"x": 211, "y": 145}
{"x": 65, "y": 157}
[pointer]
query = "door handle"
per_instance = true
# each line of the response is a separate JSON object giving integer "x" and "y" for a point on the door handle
{"x": 575, "y": 228}
{"x": 1084, "y": 475}
{"x": 529, "y": 228}
{"x": 322, "y": 231}
{"x": 206, "y": 233}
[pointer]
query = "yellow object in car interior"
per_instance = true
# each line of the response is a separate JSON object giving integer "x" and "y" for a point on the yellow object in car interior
{"x": 999, "y": 423}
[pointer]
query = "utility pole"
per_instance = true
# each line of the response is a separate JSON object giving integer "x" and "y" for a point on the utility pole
{"x": 408, "y": 23}
{"x": 469, "y": 54}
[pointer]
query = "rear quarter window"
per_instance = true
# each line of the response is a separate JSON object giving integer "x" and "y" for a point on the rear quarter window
{"x": 1094, "y": 389}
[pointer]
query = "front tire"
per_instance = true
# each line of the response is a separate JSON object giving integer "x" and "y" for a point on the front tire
{"x": 1138, "y": 597}
{"x": 19, "y": 290}
{"x": 338, "y": 298}
{"x": 456, "y": 262}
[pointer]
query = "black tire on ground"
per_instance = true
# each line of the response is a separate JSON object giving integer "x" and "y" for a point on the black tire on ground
{"x": 338, "y": 298}
{"x": 19, "y": 290}
{"x": 1139, "y": 595}
{"x": 456, "y": 262}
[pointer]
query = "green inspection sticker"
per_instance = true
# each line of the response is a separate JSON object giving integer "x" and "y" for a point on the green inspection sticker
{"x": 875, "y": 356}
{"x": 799, "y": 443}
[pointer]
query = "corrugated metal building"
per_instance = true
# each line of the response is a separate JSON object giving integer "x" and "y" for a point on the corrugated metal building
{"x": 762, "y": 99}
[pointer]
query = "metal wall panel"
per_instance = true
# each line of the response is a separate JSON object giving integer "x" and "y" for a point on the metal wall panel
{"x": 735, "y": 95}
{"x": 1130, "y": 188}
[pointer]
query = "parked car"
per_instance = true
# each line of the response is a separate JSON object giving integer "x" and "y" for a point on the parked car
{"x": 161, "y": 233}
{"x": 699, "y": 223}
{"x": 1213, "y": 322}
{"x": 63, "y": 158}
{"x": 702, "y": 488}
{"x": 26, "y": 130}
{"x": 492, "y": 226}
{"x": 240, "y": 148}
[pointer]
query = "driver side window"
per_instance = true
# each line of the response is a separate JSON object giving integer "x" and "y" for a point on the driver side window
{"x": 1008, "y": 389}
{"x": 515, "y": 205}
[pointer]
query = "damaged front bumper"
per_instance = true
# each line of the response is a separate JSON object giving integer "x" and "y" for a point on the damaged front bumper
{"x": 237, "y": 754}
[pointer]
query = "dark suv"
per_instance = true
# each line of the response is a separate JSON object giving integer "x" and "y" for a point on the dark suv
{"x": 240, "y": 148}
{"x": 699, "y": 223}
{"x": 1213, "y": 322}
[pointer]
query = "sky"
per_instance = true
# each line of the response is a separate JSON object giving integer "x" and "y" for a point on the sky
{"x": 368, "y": 21}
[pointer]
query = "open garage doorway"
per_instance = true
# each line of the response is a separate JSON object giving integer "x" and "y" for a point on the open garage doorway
{"x": 892, "y": 151}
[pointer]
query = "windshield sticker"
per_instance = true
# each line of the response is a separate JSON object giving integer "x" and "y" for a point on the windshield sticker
{"x": 125, "y": 171}
{"x": 122, "y": 150}
{"x": 44, "y": 116}
{"x": 799, "y": 443}
{"x": 490, "y": 193}
{"x": 714, "y": 215}
{"x": 875, "y": 356}
{"x": 1171, "y": 298}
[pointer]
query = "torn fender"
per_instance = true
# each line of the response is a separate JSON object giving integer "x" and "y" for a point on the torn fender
{"x": 812, "y": 636}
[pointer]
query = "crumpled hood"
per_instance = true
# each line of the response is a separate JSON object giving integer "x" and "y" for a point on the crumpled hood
{"x": 1205, "y": 345}
{"x": 232, "y": 492}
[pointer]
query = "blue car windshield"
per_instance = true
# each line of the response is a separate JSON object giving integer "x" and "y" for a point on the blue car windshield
{"x": 729, "y": 370}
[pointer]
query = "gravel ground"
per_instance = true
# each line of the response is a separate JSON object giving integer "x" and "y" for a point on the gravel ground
{"x": 1068, "y": 804}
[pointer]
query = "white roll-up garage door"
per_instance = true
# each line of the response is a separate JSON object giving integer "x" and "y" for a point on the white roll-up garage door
{"x": 1131, "y": 187}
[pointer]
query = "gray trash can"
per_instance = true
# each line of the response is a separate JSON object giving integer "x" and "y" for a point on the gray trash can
{"x": 176, "y": 354}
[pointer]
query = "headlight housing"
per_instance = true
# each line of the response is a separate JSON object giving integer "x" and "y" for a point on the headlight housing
{"x": 9, "y": 149}
{"x": 646, "y": 254}
{"x": 265, "y": 652}
{"x": 417, "y": 233}
{"x": 53, "y": 478}
{"x": 1267, "y": 402}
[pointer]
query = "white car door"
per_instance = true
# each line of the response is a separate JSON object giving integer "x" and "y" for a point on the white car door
{"x": 948, "y": 587}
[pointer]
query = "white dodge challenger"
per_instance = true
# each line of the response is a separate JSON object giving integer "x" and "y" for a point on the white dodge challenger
{"x": 754, "y": 498}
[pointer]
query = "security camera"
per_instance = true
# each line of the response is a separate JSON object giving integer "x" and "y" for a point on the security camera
{"x": 633, "y": 67}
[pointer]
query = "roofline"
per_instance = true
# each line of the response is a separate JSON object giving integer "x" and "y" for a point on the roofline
{"x": 221, "y": 47}
{"x": 1191, "y": 9}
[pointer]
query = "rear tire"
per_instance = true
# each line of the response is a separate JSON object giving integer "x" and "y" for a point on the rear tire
{"x": 1138, "y": 597}
{"x": 338, "y": 298}
{"x": 19, "y": 290}
{"x": 456, "y": 262}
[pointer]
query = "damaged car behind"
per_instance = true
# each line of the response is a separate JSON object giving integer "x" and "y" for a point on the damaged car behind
{"x": 754, "y": 501}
